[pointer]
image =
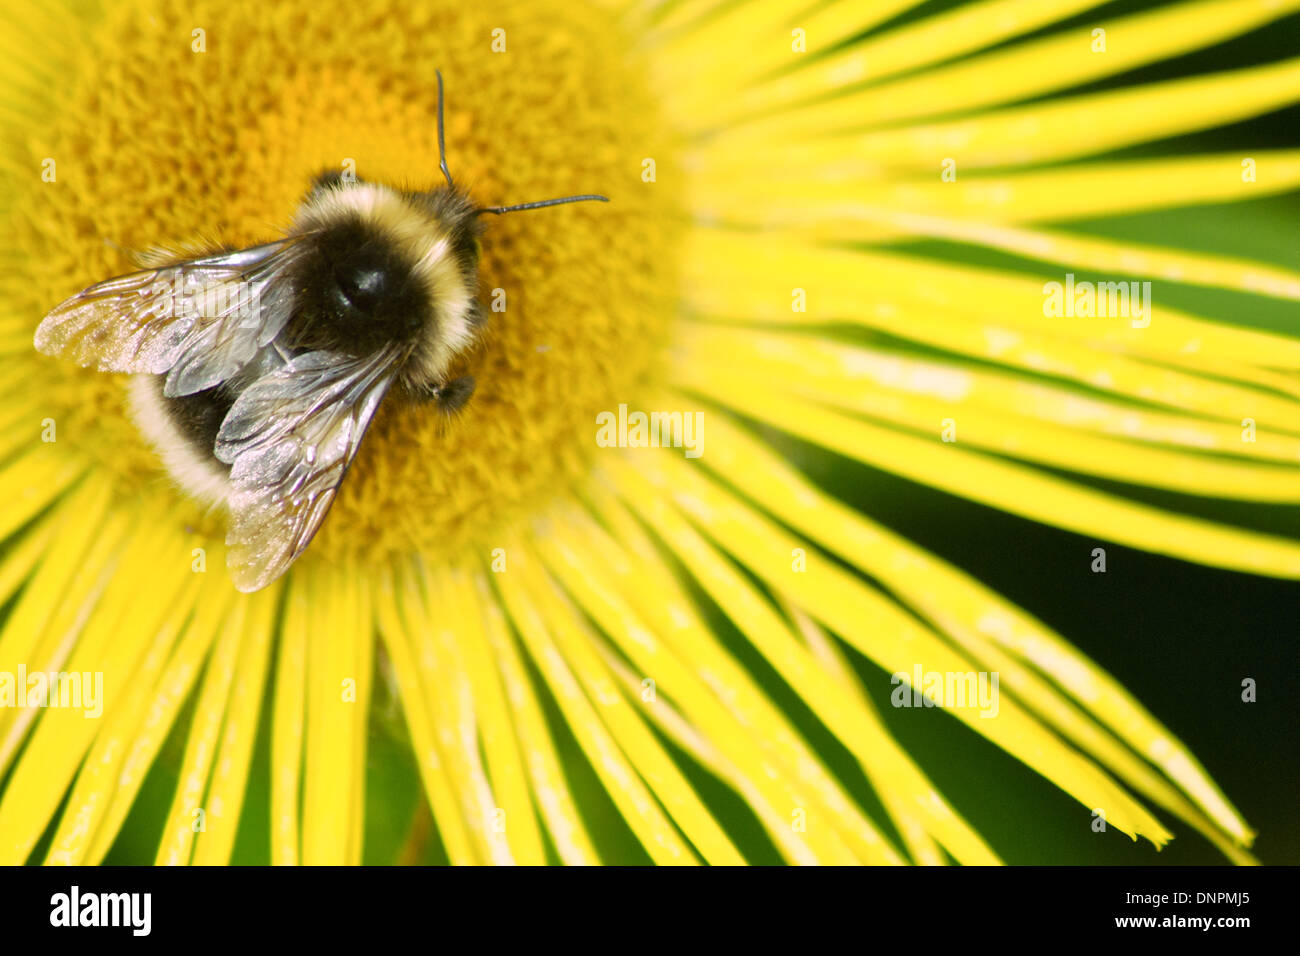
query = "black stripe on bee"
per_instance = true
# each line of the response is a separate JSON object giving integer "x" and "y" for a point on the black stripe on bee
{"x": 356, "y": 291}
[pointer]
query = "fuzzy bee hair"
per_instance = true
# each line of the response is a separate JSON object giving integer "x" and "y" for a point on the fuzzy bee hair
{"x": 419, "y": 253}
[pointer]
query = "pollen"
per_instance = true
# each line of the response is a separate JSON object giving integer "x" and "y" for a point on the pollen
{"x": 215, "y": 137}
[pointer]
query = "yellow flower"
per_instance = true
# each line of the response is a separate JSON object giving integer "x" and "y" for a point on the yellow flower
{"x": 518, "y": 580}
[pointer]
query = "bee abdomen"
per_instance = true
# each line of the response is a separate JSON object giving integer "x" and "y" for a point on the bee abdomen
{"x": 183, "y": 431}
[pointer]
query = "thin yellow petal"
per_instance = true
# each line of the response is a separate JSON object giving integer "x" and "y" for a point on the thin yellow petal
{"x": 907, "y": 817}
{"x": 188, "y": 814}
{"x": 419, "y": 712}
{"x": 885, "y": 633}
{"x": 885, "y": 763}
{"x": 629, "y": 593}
{"x": 920, "y": 395}
{"x": 364, "y": 662}
{"x": 1106, "y": 256}
{"x": 165, "y": 700}
{"x": 1059, "y": 61}
{"x": 625, "y": 788}
{"x": 226, "y": 789}
{"x": 20, "y": 421}
{"x": 934, "y": 39}
{"x": 96, "y": 640}
{"x": 1015, "y": 488}
{"x": 546, "y": 775}
{"x": 29, "y": 483}
{"x": 1023, "y": 135}
{"x": 975, "y": 384}
{"x": 111, "y": 647}
{"x": 828, "y": 210}
{"x": 577, "y": 643}
{"x": 23, "y": 553}
{"x": 516, "y": 822}
{"x": 98, "y": 784}
{"x": 721, "y": 53}
{"x": 288, "y": 719}
{"x": 974, "y": 615}
{"x": 983, "y": 313}
{"x": 78, "y": 563}
{"x": 436, "y": 621}
{"x": 335, "y": 745}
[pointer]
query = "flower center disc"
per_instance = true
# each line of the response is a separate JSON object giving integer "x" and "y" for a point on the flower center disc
{"x": 216, "y": 134}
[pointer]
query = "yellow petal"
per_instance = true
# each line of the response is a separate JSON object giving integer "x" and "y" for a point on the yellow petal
{"x": 419, "y": 711}
{"x": 700, "y": 66}
{"x": 165, "y": 700}
{"x": 100, "y": 781}
{"x": 1015, "y": 488}
{"x": 1028, "y": 69}
{"x": 934, "y": 39}
{"x": 30, "y": 482}
{"x": 849, "y": 212}
{"x": 188, "y": 814}
{"x": 577, "y": 643}
{"x": 1105, "y": 256}
{"x": 513, "y": 815}
{"x": 974, "y": 384}
{"x": 430, "y": 604}
{"x": 885, "y": 633}
{"x": 97, "y": 641}
{"x": 845, "y": 713}
{"x": 1022, "y": 135}
{"x": 653, "y": 623}
{"x": 23, "y": 552}
{"x": 983, "y": 313}
{"x": 42, "y": 621}
{"x": 918, "y": 395}
{"x": 974, "y": 615}
{"x": 288, "y": 718}
{"x": 907, "y": 816}
{"x": 338, "y": 682}
{"x": 226, "y": 789}
{"x": 546, "y": 775}
{"x": 625, "y": 788}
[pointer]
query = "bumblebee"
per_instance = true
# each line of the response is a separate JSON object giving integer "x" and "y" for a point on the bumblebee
{"x": 257, "y": 371}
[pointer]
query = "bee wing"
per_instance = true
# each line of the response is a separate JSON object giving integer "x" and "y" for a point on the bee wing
{"x": 289, "y": 439}
{"x": 146, "y": 322}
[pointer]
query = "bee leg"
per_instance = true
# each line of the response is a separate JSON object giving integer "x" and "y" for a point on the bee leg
{"x": 452, "y": 396}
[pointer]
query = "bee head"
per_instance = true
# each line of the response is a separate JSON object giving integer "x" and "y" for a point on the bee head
{"x": 392, "y": 267}
{"x": 387, "y": 267}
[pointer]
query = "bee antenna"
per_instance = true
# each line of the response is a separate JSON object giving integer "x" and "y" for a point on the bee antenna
{"x": 442, "y": 142}
{"x": 498, "y": 210}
